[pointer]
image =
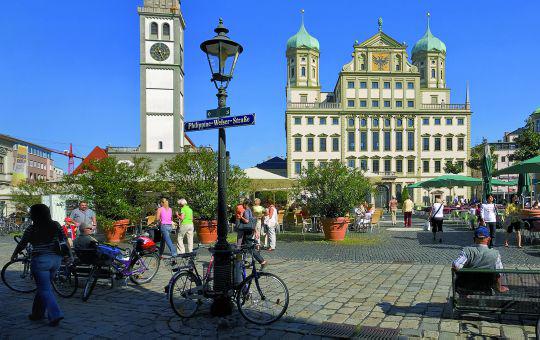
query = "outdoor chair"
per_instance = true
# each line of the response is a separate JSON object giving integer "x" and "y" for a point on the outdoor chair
{"x": 280, "y": 227}
{"x": 307, "y": 224}
{"x": 375, "y": 219}
{"x": 531, "y": 231}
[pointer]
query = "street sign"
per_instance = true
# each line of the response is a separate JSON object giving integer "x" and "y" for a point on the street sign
{"x": 220, "y": 112}
{"x": 217, "y": 123}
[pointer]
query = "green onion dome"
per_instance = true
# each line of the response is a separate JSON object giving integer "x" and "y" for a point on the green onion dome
{"x": 429, "y": 43}
{"x": 302, "y": 39}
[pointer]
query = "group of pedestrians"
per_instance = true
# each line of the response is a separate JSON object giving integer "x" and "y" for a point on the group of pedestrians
{"x": 164, "y": 217}
{"x": 257, "y": 222}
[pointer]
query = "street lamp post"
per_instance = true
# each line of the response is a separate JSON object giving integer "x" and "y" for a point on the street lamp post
{"x": 222, "y": 54}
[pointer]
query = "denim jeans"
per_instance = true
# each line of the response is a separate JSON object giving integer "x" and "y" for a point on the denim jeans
{"x": 44, "y": 268}
{"x": 166, "y": 236}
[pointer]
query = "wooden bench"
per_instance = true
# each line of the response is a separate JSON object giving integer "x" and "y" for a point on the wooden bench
{"x": 476, "y": 291}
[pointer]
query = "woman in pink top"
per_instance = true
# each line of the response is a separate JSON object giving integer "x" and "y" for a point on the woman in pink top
{"x": 164, "y": 216}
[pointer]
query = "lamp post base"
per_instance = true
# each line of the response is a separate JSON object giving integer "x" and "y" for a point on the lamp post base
{"x": 222, "y": 306}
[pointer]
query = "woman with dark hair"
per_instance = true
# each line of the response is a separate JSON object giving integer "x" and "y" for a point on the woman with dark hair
{"x": 513, "y": 211}
{"x": 44, "y": 235}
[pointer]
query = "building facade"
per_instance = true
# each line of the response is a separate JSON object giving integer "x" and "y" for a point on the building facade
{"x": 389, "y": 116}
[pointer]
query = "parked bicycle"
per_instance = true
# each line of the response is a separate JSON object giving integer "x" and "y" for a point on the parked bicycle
{"x": 140, "y": 264}
{"x": 17, "y": 275}
{"x": 261, "y": 297}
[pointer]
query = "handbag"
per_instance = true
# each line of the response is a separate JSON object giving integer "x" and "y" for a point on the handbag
{"x": 427, "y": 226}
{"x": 248, "y": 226}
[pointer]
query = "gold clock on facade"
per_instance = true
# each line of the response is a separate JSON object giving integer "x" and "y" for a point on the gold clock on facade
{"x": 160, "y": 51}
{"x": 380, "y": 62}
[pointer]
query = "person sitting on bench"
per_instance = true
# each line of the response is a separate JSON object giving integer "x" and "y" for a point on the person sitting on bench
{"x": 480, "y": 256}
{"x": 85, "y": 240}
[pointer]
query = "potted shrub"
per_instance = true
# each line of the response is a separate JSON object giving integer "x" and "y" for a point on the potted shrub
{"x": 330, "y": 192}
{"x": 193, "y": 176}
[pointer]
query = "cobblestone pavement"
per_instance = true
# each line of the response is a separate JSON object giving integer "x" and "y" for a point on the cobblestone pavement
{"x": 409, "y": 297}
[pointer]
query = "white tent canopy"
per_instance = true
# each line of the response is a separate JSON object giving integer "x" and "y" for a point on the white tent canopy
{"x": 256, "y": 173}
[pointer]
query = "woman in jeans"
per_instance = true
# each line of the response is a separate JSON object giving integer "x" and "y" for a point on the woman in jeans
{"x": 164, "y": 216}
{"x": 436, "y": 217}
{"x": 44, "y": 235}
{"x": 247, "y": 234}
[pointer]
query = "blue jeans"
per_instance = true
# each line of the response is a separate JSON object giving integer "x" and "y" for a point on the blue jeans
{"x": 44, "y": 268}
{"x": 166, "y": 236}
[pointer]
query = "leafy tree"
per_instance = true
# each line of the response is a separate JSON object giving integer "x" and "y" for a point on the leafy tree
{"x": 26, "y": 194}
{"x": 452, "y": 168}
{"x": 332, "y": 190}
{"x": 475, "y": 161}
{"x": 194, "y": 176}
{"x": 404, "y": 195}
{"x": 528, "y": 142}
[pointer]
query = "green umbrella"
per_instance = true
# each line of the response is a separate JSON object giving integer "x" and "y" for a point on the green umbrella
{"x": 529, "y": 166}
{"x": 487, "y": 165}
{"x": 524, "y": 184}
{"x": 414, "y": 185}
{"x": 499, "y": 183}
{"x": 449, "y": 181}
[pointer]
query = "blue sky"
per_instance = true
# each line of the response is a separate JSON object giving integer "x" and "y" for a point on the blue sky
{"x": 70, "y": 69}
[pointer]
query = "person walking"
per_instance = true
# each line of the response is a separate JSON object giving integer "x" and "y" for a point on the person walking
{"x": 248, "y": 231}
{"x": 186, "y": 226}
{"x": 85, "y": 215}
{"x": 271, "y": 224}
{"x": 393, "y": 205}
{"x": 44, "y": 235}
{"x": 488, "y": 212}
{"x": 408, "y": 206}
{"x": 258, "y": 213}
{"x": 513, "y": 221}
{"x": 164, "y": 218}
{"x": 436, "y": 217}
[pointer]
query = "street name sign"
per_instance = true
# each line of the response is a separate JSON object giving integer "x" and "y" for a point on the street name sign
{"x": 219, "y": 112}
{"x": 223, "y": 122}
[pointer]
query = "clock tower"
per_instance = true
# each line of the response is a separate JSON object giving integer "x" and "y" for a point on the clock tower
{"x": 162, "y": 76}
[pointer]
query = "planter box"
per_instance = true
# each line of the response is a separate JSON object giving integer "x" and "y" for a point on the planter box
{"x": 117, "y": 232}
{"x": 206, "y": 231}
{"x": 335, "y": 228}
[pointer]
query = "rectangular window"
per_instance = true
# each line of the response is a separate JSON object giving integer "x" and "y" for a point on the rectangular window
{"x": 335, "y": 144}
{"x": 322, "y": 144}
{"x": 386, "y": 103}
{"x": 386, "y": 84}
{"x": 351, "y": 163}
{"x": 399, "y": 103}
{"x": 387, "y": 122}
{"x": 437, "y": 121}
{"x": 399, "y": 85}
{"x": 449, "y": 143}
{"x": 461, "y": 121}
{"x": 297, "y": 144}
{"x": 335, "y": 121}
{"x": 410, "y": 141}
{"x": 297, "y": 120}
{"x": 399, "y": 122}
{"x": 448, "y": 121}
{"x": 399, "y": 165}
{"x": 387, "y": 165}
{"x": 310, "y": 146}
{"x": 387, "y": 141}
{"x": 363, "y": 85}
{"x": 363, "y": 141}
{"x": 425, "y": 166}
{"x": 375, "y": 166}
{"x": 410, "y": 103}
{"x": 310, "y": 165}
{"x": 374, "y": 84}
{"x": 410, "y": 122}
{"x": 461, "y": 144}
{"x": 303, "y": 98}
{"x": 437, "y": 146}
{"x": 425, "y": 121}
{"x": 437, "y": 166}
{"x": 375, "y": 122}
{"x": 375, "y": 103}
{"x": 410, "y": 85}
{"x": 363, "y": 103}
{"x": 461, "y": 165}
{"x": 310, "y": 121}
{"x": 375, "y": 140}
{"x": 350, "y": 141}
{"x": 399, "y": 141}
{"x": 297, "y": 167}
{"x": 503, "y": 159}
{"x": 322, "y": 120}
{"x": 425, "y": 143}
{"x": 410, "y": 166}
{"x": 350, "y": 84}
{"x": 363, "y": 122}
{"x": 350, "y": 122}
{"x": 363, "y": 164}
{"x": 350, "y": 103}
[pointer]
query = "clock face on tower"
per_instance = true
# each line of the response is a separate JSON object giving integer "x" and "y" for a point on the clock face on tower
{"x": 160, "y": 51}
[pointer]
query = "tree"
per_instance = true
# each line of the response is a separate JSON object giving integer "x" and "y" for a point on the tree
{"x": 475, "y": 161}
{"x": 452, "y": 168}
{"x": 193, "y": 176}
{"x": 528, "y": 142}
{"x": 404, "y": 195}
{"x": 26, "y": 194}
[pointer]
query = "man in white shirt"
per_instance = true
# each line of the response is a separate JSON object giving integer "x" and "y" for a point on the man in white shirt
{"x": 488, "y": 212}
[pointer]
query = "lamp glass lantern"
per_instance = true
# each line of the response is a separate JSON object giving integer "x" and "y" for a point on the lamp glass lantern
{"x": 222, "y": 54}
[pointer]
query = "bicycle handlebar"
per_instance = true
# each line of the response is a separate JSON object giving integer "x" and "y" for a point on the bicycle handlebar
{"x": 17, "y": 238}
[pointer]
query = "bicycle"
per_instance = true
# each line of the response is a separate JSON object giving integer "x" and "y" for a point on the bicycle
{"x": 140, "y": 266}
{"x": 17, "y": 275}
{"x": 257, "y": 302}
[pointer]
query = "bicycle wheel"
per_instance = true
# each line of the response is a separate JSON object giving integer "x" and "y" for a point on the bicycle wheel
{"x": 262, "y": 300}
{"x": 185, "y": 294}
{"x": 145, "y": 268}
{"x": 66, "y": 281}
{"x": 90, "y": 284}
{"x": 18, "y": 277}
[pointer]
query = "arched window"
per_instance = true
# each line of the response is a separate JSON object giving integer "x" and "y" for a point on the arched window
{"x": 362, "y": 61}
{"x": 153, "y": 30}
{"x": 432, "y": 73}
{"x": 303, "y": 71}
{"x": 166, "y": 31}
{"x": 160, "y": 145}
{"x": 398, "y": 62}
{"x": 313, "y": 72}
{"x": 292, "y": 72}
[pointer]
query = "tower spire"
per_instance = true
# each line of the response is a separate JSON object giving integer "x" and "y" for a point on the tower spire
{"x": 380, "y": 23}
{"x": 302, "y": 15}
{"x": 467, "y": 99}
{"x": 428, "y": 18}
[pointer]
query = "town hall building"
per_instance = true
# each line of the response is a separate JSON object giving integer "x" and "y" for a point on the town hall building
{"x": 388, "y": 115}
